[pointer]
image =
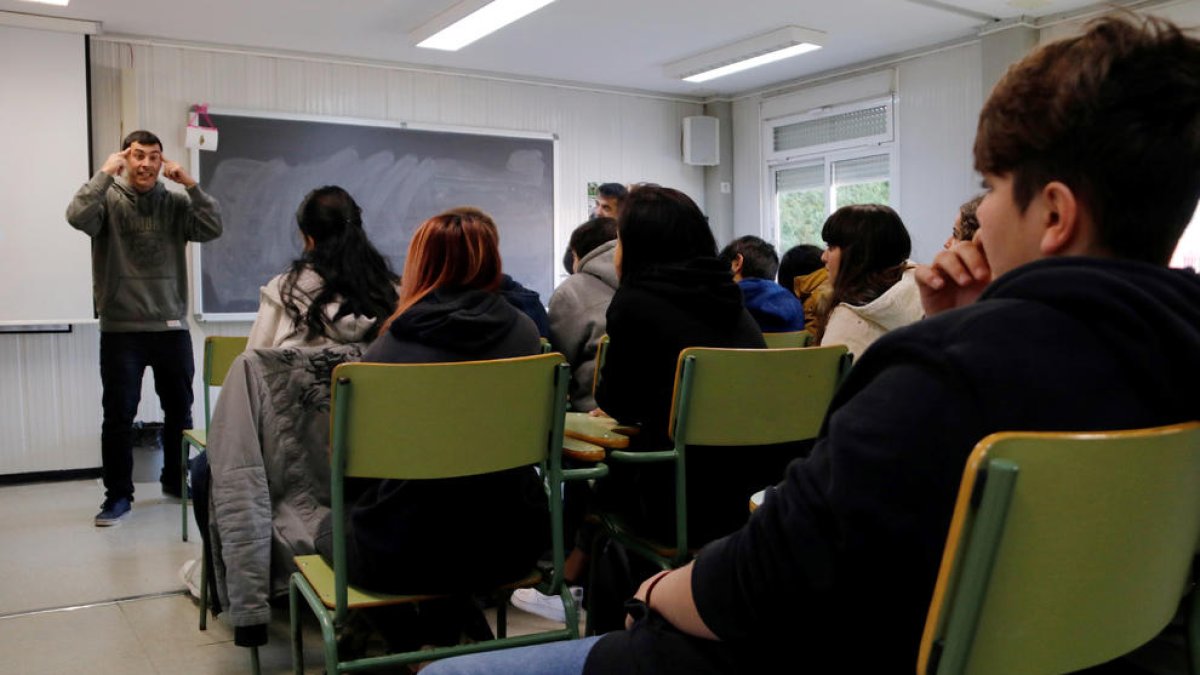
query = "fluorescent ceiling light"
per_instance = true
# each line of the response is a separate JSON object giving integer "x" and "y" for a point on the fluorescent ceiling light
{"x": 751, "y": 53}
{"x": 470, "y": 20}
{"x": 60, "y": 3}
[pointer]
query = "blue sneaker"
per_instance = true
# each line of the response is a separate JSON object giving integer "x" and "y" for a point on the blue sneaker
{"x": 112, "y": 511}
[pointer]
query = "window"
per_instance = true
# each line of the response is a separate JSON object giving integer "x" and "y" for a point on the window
{"x": 823, "y": 160}
{"x": 806, "y": 192}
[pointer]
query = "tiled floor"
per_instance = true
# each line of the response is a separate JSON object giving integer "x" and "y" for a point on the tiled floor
{"x": 75, "y": 598}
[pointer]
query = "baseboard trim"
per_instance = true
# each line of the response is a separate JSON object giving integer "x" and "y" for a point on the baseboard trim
{"x": 59, "y": 476}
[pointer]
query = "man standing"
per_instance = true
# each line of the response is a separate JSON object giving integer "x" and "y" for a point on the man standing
{"x": 139, "y": 232}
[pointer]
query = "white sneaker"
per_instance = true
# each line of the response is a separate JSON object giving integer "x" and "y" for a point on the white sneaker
{"x": 189, "y": 574}
{"x": 546, "y": 606}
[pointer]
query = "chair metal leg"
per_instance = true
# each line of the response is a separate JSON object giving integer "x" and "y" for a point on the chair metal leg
{"x": 183, "y": 495}
{"x": 294, "y": 621}
{"x": 502, "y": 616}
{"x": 204, "y": 556}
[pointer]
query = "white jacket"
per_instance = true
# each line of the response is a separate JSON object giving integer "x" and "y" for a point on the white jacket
{"x": 273, "y": 327}
{"x": 858, "y": 326}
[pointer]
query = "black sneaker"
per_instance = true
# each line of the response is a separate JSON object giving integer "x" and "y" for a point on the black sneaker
{"x": 112, "y": 511}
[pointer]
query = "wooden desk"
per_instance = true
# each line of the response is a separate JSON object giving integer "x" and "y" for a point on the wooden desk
{"x": 601, "y": 431}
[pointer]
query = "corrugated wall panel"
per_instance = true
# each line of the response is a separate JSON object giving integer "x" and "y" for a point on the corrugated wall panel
{"x": 602, "y": 136}
{"x": 937, "y": 111}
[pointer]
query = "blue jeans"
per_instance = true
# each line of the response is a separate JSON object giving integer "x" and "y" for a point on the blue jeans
{"x": 123, "y": 359}
{"x": 554, "y": 658}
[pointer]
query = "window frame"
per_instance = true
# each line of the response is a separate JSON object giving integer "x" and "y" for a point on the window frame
{"x": 771, "y": 223}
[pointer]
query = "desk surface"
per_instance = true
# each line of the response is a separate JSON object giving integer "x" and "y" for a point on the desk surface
{"x": 602, "y": 431}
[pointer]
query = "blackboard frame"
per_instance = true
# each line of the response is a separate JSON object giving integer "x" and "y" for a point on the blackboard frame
{"x": 197, "y": 158}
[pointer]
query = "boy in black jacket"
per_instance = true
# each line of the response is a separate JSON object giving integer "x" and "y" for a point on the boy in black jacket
{"x": 1060, "y": 315}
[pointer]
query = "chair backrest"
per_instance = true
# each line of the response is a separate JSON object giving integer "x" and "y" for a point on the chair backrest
{"x": 797, "y": 338}
{"x": 443, "y": 420}
{"x": 1065, "y": 550}
{"x": 730, "y": 397}
{"x": 219, "y": 353}
{"x": 446, "y": 420}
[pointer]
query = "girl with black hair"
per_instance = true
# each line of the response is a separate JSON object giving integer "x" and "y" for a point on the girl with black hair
{"x": 873, "y": 286}
{"x": 339, "y": 288}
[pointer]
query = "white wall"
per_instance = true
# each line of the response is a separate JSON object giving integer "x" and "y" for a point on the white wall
{"x": 50, "y": 410}
{"x": 937, "y": 103}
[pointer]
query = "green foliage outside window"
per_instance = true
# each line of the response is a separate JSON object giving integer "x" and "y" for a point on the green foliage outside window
{"x": 802, "y": 213}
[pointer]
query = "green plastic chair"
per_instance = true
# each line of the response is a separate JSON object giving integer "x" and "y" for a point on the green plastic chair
{"x": 1065, "y": 550}
{"x": 732, "y": 397}
{"x": 427, "y": 421}
{"x": 219, "y": 353}
{"x": 797, "y": 338}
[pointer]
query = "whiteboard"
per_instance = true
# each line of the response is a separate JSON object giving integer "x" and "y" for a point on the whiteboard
{"x": 46, "y": 263}
{"x": 399, "y": 174}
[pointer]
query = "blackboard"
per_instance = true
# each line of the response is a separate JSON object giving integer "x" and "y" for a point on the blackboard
{"x": 399, "y": 174}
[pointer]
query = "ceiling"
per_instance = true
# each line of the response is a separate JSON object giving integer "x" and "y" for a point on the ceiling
{"x": 620, "y": 44}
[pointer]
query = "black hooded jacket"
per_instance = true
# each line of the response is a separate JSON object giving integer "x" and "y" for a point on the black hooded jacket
{"x": 652, "y": 317}
{"x": 834, "y": 573}
{"x": 436, "y": 535}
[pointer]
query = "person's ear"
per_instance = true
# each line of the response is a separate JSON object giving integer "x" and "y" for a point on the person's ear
{"x": 1064, "y": 232}
{"x": 736, "y": 265}
{"x": 309, "y": 242}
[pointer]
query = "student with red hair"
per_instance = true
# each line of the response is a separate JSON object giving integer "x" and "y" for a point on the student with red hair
{"x": 427, "y": 536}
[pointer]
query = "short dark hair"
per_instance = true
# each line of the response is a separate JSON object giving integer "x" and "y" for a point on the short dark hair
{"x": 612, "y": 190}
{"x": 591, "y": 234}
{"x": 799, "y": 261}
{"x": 659, "y": 226}
{"x": 968, "y": 222}
{"x": 141, "y": 137}
{"x": 1113, "y": 115}
{"x": 759, "y": 260}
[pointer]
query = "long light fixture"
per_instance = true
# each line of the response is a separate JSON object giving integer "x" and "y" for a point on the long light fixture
{"x": 750, "y": 53}
{"x": 470, "y": 20}
{"x": 60, "y": 3}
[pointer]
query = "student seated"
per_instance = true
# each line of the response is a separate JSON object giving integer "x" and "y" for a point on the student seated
{"x": 873, "y": 286}
{"x": 336, "y": 291}
{"x": 802, "y": 269}
{"x": 754, "y": 263}
{"x": 461, "y": 534}
{"x": 965, "y": 223}
{"x": 1060, "y": 315}
{"x": 579, "y": 304}
{"x": 674, "y": 293}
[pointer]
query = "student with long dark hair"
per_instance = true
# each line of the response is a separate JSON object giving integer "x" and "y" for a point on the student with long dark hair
{"x": 336, "y": 291}
{"x": 867, "y": 249}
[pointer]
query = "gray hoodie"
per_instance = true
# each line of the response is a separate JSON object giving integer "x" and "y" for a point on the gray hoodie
{"x": 577, "y": 318}
{"x": 139, "y": 270}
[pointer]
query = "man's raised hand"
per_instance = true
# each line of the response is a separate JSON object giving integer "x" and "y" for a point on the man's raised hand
{"x": 176, "y": 173}
{"x": 116, "y": 163}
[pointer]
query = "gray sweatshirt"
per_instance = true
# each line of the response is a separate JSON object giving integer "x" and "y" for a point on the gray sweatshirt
{"x": 139, "y": 271}
{"x": 577, "y": 318}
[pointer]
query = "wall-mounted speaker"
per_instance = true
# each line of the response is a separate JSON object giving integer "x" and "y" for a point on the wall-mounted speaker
{"x": 701, "y": 136}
